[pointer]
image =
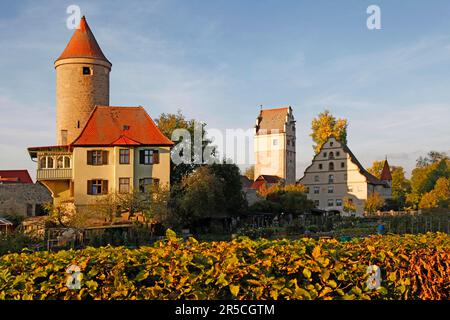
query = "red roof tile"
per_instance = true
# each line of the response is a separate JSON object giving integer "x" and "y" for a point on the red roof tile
{"x": 120, "y": 125}
{"x": 265, "y": 179}
{"x": 272, "y": 120}
{"x": 83, "y": 44}
{"x": 18, "y": 176}
{"x": 386, "y": 172}
{"x": 125, "y": 141}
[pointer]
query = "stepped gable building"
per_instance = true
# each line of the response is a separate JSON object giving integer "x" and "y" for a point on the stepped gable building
{"x": 336, "y": 174}
{"x": 99, "y": 149}
{"x": 274, "y": 144}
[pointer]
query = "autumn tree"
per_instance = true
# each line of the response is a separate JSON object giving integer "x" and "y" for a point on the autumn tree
{"x": 168, "y": 123}
{"x": 229, "y": 175}
{"x": 425, "y": 176}
{"x": 209, "y": 191}
{"x": 430, "y": 158}
{"x": 373, "y": 203}
{"x": 250, "y": 172}
{"x": 200, "y": 195}
{"x": 348, "y": 205}
{"x": 439, "y": 197}
{"x": 326, "y": 125}
{"x": 289, "y": 198}
{"x": 400, "y": 185}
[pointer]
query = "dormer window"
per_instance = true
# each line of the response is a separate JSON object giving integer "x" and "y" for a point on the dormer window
{"x": 87, "y": 71}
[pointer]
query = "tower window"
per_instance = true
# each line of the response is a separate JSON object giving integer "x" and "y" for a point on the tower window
{"x": 126, "y": 127}
{"x": 87, "y": 71}
{"x": 78, "y": 124}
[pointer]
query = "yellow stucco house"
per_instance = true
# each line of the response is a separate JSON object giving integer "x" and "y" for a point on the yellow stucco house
{"x": 100, "y": 149}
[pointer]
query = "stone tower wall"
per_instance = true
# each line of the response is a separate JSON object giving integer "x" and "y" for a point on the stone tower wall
{"x": 77, "y": 94}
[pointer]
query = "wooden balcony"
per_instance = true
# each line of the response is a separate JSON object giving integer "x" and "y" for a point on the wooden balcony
{"x": 54, "y": 174}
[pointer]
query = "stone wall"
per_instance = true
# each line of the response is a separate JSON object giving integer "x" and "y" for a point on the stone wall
{"x": 22, "y": 199}
{"x": 77, "y": 94}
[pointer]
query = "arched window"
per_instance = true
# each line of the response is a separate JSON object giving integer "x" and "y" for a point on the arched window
{"x": 331, "y": 166}
{"x": 331, "y": 155}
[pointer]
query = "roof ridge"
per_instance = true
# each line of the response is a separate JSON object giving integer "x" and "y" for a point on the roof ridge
{"x": 273, "y": 109}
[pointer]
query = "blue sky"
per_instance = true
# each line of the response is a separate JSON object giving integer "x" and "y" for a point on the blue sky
{"x": 218, "y": 61}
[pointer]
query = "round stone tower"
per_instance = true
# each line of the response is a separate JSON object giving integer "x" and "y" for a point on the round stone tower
{"x": 82, "y": 82}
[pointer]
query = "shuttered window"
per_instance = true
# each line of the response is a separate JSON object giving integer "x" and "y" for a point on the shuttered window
{"x": 97, "y": 186}
{"x": 97, "y": 157}
{"x": 148, "y": 156}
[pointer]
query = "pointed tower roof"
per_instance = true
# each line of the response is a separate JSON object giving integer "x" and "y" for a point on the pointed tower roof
{"x": 83, "y": 44}
{"x": 386, "y": 172}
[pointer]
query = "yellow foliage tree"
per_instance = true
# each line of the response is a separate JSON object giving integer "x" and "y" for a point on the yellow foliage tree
{"x": 373, "y": 203}
{"x": 326, "y": 125}
{"x": 439, "y": 197}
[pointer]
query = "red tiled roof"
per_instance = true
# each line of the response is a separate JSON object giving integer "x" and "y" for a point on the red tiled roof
{"x": 265, "y": 179}
{"x": 272, "y": 119}
{"x": 125, "y": 141}
{"x": 83, "y": 44}
{"x": 257, "y": 184}
{"x": 18, "y": 176}
{"x": 246, "y": 182}
{"x": 120, "y": 125}
{"x": 386, "y": 172}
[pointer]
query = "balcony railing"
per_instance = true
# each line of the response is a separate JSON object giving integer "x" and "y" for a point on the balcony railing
{"x": 54, "y": 174}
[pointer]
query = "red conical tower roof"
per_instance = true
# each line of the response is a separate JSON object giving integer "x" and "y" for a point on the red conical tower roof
{"x": 83, "y": 44}
{"x": 386, "y": 172}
